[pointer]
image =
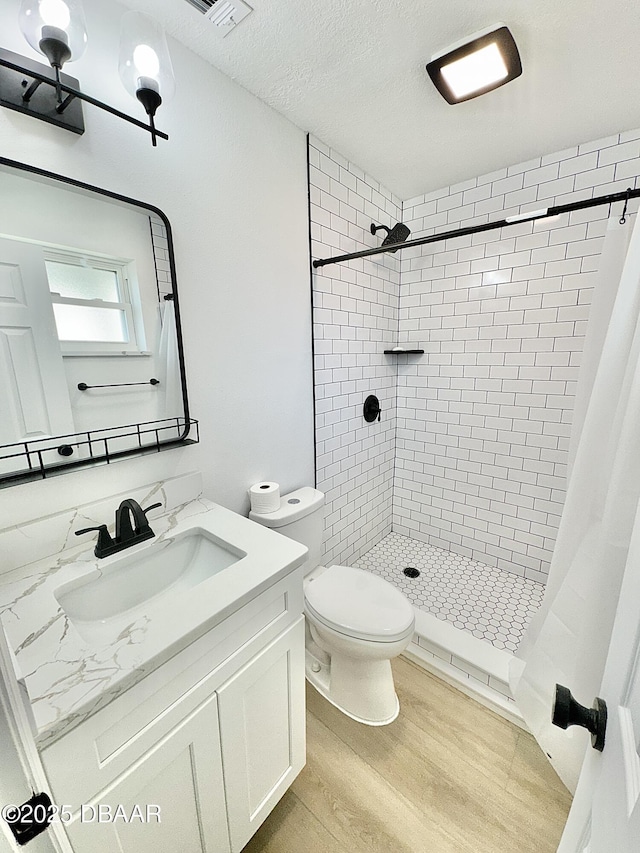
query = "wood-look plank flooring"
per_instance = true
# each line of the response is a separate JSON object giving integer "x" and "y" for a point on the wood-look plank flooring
{"x": 448, "y": 776}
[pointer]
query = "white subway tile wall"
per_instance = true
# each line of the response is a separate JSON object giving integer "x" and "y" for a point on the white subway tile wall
{"x": 161, "y": 256}
{"x": 477, "y": 428}
{"x": 355, "y": 317}
{"x": 484, "y": 417}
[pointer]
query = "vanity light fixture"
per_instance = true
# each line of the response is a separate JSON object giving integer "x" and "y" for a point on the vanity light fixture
{"x": 476, "y": 65}
{"x": 145, "y": 65}
{"x": 56, "y": 29}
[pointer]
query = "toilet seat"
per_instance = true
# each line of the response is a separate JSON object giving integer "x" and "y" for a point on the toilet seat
{"x": 359, "y": 604}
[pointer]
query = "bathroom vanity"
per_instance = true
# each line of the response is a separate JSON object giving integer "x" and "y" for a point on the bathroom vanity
{"x": 213, "y": 737}
{"x": 192, "y": 712}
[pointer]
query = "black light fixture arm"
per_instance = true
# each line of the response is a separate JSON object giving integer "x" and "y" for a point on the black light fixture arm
{"x": 31, "y": 90}
{"x": 56, "y": 49}
{"x": 150, "y": 100}
{"x": 56, "y": 68}
{"x": 35, "y": 78}
{"x": 61, "y": 104}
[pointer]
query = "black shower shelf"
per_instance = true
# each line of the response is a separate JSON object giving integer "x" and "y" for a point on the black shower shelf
{"x": 408, "y": 350}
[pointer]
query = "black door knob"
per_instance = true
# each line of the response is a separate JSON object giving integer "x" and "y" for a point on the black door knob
{"x": 567, "y": 712}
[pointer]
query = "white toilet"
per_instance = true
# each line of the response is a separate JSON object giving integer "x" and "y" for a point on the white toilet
{"x": 356, "y": 621}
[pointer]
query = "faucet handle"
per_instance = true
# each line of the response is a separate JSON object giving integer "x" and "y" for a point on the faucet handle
{"x": 144, "y": 525}
{"x": 100, "y": 528}
{"x": 104, "y": 538}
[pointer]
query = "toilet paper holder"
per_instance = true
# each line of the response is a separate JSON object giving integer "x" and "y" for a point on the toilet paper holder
{"x": 371, "y": 409}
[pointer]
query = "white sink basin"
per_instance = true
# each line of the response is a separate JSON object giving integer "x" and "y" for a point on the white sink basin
{"x": 101, "y": 606}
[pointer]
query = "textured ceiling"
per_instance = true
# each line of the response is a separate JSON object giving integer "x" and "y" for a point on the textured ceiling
{"x": 352, "y": 72}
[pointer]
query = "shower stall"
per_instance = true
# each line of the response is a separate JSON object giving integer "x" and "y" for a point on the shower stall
{"x": 463, "y": 479}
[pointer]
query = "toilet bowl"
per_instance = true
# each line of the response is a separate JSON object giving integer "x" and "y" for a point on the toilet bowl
{"x": 356, "y": 621}
{"x": 360, "y": 622}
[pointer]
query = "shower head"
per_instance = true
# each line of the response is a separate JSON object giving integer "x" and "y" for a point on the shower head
{"x": 397, "y": 234}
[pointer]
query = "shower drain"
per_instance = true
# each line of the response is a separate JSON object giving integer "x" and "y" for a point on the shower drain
{"x": 410, "y": 572}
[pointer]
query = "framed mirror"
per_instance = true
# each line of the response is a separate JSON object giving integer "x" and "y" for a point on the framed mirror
{"x": 91, "y": 355}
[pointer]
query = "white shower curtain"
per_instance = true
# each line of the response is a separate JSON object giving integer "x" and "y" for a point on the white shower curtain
{"x": 568, "y": 638}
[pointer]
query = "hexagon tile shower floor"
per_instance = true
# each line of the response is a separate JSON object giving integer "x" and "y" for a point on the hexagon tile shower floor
{"x": 493, "y": 605}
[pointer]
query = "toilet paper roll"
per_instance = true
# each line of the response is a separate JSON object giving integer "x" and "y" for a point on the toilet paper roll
{"x": 265, "y": 497}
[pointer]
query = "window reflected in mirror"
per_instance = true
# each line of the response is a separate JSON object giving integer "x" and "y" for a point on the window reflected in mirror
{"x": 96, "y": 304}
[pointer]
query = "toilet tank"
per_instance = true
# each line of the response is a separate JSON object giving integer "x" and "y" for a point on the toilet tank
{"x": 299, "y": 517}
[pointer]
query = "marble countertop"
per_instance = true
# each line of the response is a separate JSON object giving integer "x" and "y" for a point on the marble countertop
{"x": 66, "y": 677}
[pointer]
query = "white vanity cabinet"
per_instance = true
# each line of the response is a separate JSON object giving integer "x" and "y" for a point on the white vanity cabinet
{"x": 213, "y": 738}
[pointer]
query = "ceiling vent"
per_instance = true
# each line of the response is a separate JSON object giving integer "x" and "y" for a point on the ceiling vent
{"x": 224, "y": 14}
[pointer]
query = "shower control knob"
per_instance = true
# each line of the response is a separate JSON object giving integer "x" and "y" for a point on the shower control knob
{"x": 371, "y": 409}
{"x": 567, "y": 712}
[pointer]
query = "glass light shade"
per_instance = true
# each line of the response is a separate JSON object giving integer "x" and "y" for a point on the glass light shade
{"x": 144, "y": 56}
{"x": 59, "y": 20}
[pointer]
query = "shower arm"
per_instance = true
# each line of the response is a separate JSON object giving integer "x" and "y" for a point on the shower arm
{"x": 488, "y": 226}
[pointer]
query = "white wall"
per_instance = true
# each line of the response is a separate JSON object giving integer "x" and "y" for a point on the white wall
{"x": 232, "y": 180}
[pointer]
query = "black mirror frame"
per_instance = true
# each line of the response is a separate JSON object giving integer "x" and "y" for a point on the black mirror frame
{"x": 42, "y": 471}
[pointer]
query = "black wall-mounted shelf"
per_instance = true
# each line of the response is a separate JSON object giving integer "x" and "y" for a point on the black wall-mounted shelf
{"x": 402, "y": 351}
{"x": 41, "y": 458}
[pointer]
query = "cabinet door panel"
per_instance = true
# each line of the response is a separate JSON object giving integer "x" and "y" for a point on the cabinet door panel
{"x": 262, "y": 726}
{"x": 182, "y": 776}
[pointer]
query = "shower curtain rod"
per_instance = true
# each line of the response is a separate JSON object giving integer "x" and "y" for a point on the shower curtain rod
{"x": 488, "y": 226}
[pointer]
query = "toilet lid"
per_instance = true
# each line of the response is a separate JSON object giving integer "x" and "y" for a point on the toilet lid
{"x": 359, "y": 604}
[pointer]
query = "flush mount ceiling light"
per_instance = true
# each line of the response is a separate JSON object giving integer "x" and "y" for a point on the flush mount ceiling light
{"x": 476, "y": 65}
{"x": 56, "y": 29}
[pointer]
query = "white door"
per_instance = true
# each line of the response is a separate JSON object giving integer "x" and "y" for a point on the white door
{"x": 16, "y": 784}
{"x": 21, "y": 772}
{"x": 605, "y": 815}
{"x": 33, "y": 387}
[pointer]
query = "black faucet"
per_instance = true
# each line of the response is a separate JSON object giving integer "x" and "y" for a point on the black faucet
{"x": 131, "y": 527}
